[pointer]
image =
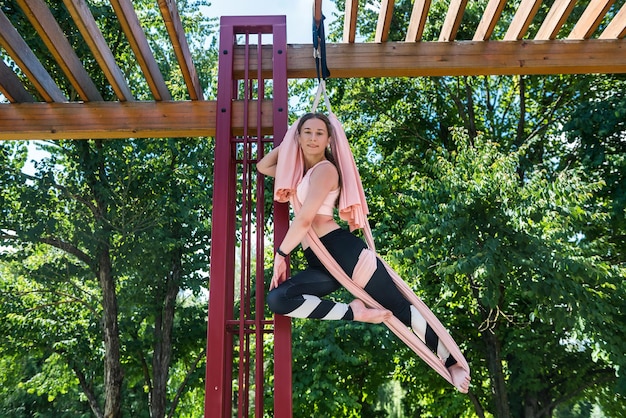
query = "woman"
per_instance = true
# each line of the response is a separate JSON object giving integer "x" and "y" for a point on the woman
{"x": 301, "y": 295}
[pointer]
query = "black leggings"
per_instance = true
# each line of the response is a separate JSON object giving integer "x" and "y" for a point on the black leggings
{"x": 301, "y": 295}
{"x": 316, "y": 281}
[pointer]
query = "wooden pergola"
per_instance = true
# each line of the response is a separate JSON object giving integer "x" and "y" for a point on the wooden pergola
{"x": 38, "y": 109}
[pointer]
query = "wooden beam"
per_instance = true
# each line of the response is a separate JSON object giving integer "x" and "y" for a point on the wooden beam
{"x": 590, "y": 19}
{"x": 453, "y": 20}
{"x": 175, "y": 29}
{"x": 419, "y": 15}
{"x": 25, "y": 58}
{"x": 384, "y": 20}
{"x": 349, "y": 21}
{"x": 521, "y": 21}
{"x": 40, "y": 16}
{"x": 11, "y": 85}
{"x": 558, "y": 14}
{"x": 617, "y": 28}
{"x": 108, "y": 120}
{"x": 489, "y": 20}
{"x": 86, "y": 24}
{"x": 139, "y": 44}
{"x": 404, "y": 59}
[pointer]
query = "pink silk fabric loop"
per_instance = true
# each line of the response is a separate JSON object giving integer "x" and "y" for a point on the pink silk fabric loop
{"x": 353, "y": 209}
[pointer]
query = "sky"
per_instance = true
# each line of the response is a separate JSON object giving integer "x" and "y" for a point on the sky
{"x": 299, "y": 14}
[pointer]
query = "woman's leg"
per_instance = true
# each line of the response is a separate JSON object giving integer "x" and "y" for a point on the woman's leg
{"x": 346, "y": 249}
{"x": 301, "y": 297}
{"x": 382, "y": 288}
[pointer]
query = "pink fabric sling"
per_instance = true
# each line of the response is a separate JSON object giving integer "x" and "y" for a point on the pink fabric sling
{"x": 353, "y": 209}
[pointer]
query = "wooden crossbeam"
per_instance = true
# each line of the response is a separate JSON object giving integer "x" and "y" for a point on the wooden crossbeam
{"x": 139, "y": 43}
{"x": 349, "y": 23}
{"x": 617, "y": 28}
{"x": 489, "y": 20}
{"x": 522, "y": 20}
{"x": 453, "y": 20}
{"x": 86, "y": 24}
{"x": 175, "y": 29}
{"x": 403, "y": 59}
{"x": 555, "y": 19}
{"x": 104, "y": 120}
{"x": 43, "y": 21}
{"x": 25, "y": 58}
{"x": 384, "y": 20}
{"x": 11, "y": 85}
{"x": 400, "y": 59}
{"x": 419, "y": 15}
{"x": 590, "y": 19}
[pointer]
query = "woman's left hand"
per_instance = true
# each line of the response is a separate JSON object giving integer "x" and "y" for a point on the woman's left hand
{"x": 280, "y": 271}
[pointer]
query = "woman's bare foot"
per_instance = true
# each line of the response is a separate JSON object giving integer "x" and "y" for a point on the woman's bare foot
{"x": 460, "y": 378}
{"x": 362, "y": 313}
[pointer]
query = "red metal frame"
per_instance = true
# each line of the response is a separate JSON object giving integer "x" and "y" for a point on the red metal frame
{"x": 236, "y": 322}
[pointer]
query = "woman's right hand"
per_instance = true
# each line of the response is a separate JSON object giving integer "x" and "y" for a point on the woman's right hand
{"x": 280, "y": 271}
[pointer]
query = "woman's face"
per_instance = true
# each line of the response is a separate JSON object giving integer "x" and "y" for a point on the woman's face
{"x": 313, "y": 137}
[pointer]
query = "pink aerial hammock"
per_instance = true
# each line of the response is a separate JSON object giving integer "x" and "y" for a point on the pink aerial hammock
{"x": 353, "y": 209}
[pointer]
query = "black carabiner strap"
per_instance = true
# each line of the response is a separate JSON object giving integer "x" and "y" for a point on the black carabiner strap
{"x": 319, "y": 49}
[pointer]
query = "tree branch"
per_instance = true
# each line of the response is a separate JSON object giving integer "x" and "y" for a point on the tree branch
{"x": 87, "y": 390}
{"x": 179, "y": 391}
{"x": 601, "y": 376}
{"x": 68, "y": 248}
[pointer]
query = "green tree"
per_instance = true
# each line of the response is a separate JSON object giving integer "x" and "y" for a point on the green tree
{"x": 116, "y": 238}
{"x": 157, "y": 234}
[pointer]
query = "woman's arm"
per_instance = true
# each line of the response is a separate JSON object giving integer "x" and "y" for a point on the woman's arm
{"x": 267, "y": 164}
{"x": 324, "y": 179}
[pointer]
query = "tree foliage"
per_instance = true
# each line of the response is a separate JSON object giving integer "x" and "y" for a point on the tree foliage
{"x": 105, "y": 247}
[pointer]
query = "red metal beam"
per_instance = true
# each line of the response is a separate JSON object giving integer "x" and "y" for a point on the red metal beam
{"x": 235, "y": 337}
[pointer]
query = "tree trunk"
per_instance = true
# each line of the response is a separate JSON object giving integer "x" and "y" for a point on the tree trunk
{"x": 95, "y": 173}
{"x": 163, "y": 326}
{"x": 494, "y": 364}
{"x": 113, "y": 374}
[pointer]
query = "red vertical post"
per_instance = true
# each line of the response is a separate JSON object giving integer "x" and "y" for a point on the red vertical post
{"x": 218, "y": 386}
{"x": 282, "y": 324}
{"x": 238, "y": 199}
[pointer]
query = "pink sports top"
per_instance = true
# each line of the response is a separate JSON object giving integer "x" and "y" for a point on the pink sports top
{"x": 302, "y": 190}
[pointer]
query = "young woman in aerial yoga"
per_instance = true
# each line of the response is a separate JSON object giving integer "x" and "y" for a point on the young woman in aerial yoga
{"x": 314, "y": 169}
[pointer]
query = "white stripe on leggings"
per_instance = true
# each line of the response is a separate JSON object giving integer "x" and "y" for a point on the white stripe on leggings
{"x": 311, "y": 303}
{"x": 308, "y": 306}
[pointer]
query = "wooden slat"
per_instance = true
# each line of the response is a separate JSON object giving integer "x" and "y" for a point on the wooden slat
{"x": 404, "y": 59}
{"x": 590, "y": 19}
{"x": 384, "y": 21}
{"x": 11, "y": 86}
{"x": 139, "y": 43}
{"x": 24, "y": 57}
{"x": 349, "y": 22}
{"x": 617, "y": 28}
{"x": 103, "y": 120}
{"x": 521, "y": 21}
{"x": 419, "y": 15}
{"x": 174, "y": 26}
{"x": 53, "y": 37}
{"x": 453, "y": 20}
{"x": 489, "y": 20}
{"x": 558, "y": 14}
{"x": 88, "y": 28}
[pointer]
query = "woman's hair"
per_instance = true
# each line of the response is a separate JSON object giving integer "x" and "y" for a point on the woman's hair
{"x": 329, "y": 128}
